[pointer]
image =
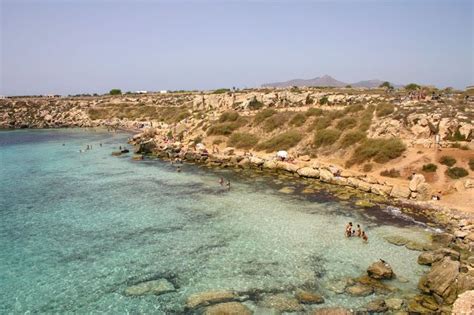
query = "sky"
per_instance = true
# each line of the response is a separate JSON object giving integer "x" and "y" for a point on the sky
{"x": 71, "y": 47}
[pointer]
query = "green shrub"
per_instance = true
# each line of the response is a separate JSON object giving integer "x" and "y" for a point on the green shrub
{"x": 298, "y": 120}
{"x": 354, "y": 108}
{"x": 346, "y": 123}
{"x": 365, "y": 121}
{"x": 197, "y": 140}
{"x": 384, "y": 109}
{"x": 456, "y": 172}
{"x": 367, "y": 168}
{"x": 229, "y": 116}
{"x": 447, "y": 160}
{"x": 309, "y": 100}
{"x": 324, "y": 100}
{"x": 283, "y": 141}
{"x": 456, "y": 136}
{"x": 223, "y": 129}
{"x": 221, "y": 91}
{"x": 254, "y": 104}
{"x": 335, "y": 114}
{"x": 393, "y": 173}
{"x": 326, "y": 137}
{"x": 380, "y": 150}
{"x": 457, "y": 145}
{"x": 217, "y": 141}
{"x": 314, "y": 112}
{"x": 412, "y": 87}
{"x": 471, "y": 164}
{"x": 276, "y": 121}
{"x": 115, "y": 92}
{"x": 264, "y": 114}
{"x": 243, "y": 140}
{"x": 430, "y": 168}
{"x": 352, "y": 137}
{"x": 320, "y": 123}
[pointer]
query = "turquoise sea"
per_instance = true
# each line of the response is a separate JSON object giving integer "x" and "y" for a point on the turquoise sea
{"x": 77, "y": 229}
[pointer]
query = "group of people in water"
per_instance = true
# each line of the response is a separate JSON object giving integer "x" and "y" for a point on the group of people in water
{"x": 350, "y": 232}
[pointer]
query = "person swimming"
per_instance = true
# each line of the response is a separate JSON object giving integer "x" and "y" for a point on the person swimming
{"x": 228, "y": 185}
{"x": 365, "y": 237}
{"x": 221, "y": 181}
{"x": 178, "y": 169}
{"x": 348, "y": 231}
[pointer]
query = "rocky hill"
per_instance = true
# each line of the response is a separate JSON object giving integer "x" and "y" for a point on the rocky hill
{"x": 387, "y": 136}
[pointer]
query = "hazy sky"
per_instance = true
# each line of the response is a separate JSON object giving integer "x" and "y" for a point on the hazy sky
{"x": 70, "y": 47}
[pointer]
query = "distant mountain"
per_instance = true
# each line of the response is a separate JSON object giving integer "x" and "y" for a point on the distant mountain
{"x": 325, "y": 80}
{"x": 367, "y": 83}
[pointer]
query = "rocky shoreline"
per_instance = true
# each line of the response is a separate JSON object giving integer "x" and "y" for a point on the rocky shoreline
{"x": 450, "y": 255}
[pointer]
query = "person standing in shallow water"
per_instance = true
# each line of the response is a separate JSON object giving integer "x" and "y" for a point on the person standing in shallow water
{"x": 228, "y": 185}
{"x": 358, "y": 231}
{"x": 221, "y": 181}
{"x": 365, "y": 237}
{"x": 348, "y": 231}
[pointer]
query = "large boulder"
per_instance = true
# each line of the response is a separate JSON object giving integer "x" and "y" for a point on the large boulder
{"x": 464, "y": 304}
{"x": 146, "y": 147}
{"x": 399, "y": 191}
{"x": 416, "y": 180}
{"x": 308, "y": 172}
{"x": 430, "y": 257}
{"x": 380, "y": 270}
{"x": 325, "y": 175}
{"x": 441, "y": 280}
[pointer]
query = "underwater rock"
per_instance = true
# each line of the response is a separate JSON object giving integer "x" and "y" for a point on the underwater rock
{"x": 378, "y": 286}
{"x": 394, "y": 303}
{"x": 359, "y": 290}
{"x": 364, "y": 203}
{"x": 208, "y": 298}
{"x": 331, "y": 311}
{"x": 396, "y": 240}
{"x": 377, "y": 306}
{"x": 155, "y": 287}
{"x": 116, "y": 153}
{"x": 380, "y": 270}
{"x": 306, "y": 297}
{"x": 422, "y": 304}
{"x": 231, "y": 308}
{"x": 282, "y": 303}
{"x": 287, "y": 190}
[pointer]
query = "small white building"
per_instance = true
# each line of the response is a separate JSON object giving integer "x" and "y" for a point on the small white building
{"x": 141, "y": 92}
{"x": 163, "y": 91}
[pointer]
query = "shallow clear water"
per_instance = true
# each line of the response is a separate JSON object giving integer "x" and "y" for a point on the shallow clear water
{"x": 77, "y": 229}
